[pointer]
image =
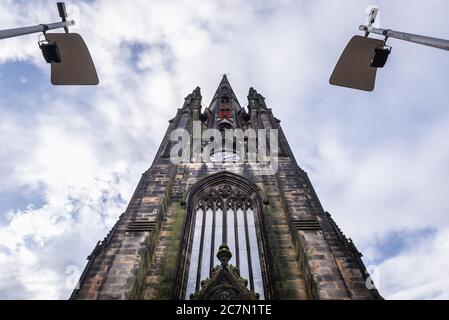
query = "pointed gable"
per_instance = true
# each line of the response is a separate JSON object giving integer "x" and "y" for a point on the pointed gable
{"x": 225, "y": 282}
{"x": 224, "y": 90}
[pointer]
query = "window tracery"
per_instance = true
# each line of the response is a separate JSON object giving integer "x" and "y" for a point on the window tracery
{"x": 224, "y": 214}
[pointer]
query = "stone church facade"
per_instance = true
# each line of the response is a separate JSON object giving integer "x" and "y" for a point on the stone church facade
{"x": 220, "y": 230}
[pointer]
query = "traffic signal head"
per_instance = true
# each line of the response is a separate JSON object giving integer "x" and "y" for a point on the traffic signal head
{"x": 357, "y": 66}
{"x": 71, "y": 62}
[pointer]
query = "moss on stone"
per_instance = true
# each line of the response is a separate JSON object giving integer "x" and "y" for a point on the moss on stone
{"x": 137, "y": 288}
{"x": 169, "y": 262}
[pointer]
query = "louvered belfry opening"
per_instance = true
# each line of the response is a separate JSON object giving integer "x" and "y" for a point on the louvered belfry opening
{"x": 225, "y": 110}
{"x": 141, "y": 226}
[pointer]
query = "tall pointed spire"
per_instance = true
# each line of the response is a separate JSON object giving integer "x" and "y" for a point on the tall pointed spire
{"x": 224, "y": 89}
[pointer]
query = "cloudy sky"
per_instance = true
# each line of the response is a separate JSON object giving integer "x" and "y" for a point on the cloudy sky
{"x": 70, "y": 157}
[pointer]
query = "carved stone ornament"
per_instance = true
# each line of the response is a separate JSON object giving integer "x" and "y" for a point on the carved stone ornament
{"x": 221, "y": 194}
{"x": 225, "y": 282}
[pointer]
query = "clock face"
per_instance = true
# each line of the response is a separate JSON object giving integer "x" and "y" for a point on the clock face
{"x": 225, "y": 156}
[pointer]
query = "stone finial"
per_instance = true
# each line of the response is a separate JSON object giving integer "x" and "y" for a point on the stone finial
{"x": 197, "y": 92}
{"x": 252, "y": 92}
{"x": 224, "y": 255}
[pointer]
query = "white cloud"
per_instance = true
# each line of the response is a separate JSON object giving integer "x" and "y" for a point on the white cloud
{"x": 417, "y": 272}
{"x": 377, "y": 160}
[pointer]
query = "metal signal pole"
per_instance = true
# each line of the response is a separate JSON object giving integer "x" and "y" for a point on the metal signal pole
{"x": 427, "y": 41}
{"x": 15, "y": 32}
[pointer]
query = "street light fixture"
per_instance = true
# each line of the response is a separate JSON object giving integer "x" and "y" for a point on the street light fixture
{"x": 71, "y": 62}
{"x": 358, "y": 64}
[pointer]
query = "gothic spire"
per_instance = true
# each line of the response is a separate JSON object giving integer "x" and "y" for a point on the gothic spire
{"x": 224, "y": 89}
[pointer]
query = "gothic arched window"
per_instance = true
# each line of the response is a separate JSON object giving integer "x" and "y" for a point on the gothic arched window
{"x": 224, "y": 213}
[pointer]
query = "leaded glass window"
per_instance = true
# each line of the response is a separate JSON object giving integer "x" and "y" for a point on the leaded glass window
{"x": 224, "y": 215}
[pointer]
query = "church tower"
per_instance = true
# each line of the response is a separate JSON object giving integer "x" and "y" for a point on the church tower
{"x": 225, "y": 223}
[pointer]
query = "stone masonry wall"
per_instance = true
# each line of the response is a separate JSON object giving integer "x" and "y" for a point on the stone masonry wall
{"x": 310, "y": 256}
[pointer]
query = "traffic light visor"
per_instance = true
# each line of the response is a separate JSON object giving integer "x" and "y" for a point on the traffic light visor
{"x": 354, "y": 69}
{"x": 76, "y": 66}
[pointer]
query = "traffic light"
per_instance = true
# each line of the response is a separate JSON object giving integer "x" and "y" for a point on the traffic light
{"x": 358, "y": 64}
{"x": 70, "y": 59}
